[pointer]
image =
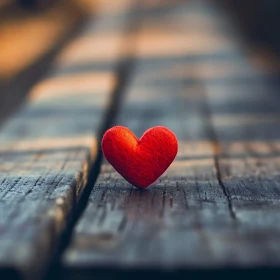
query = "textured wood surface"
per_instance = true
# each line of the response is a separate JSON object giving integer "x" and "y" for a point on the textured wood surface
{"x": 246, "y": 121}
{"x": 216, "y": 206}
{"x": 47, "y": 150}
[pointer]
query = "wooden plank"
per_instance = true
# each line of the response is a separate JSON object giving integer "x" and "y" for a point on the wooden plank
{"x": 47, "y": 151}
{"x": 244, "y": 120}
{"x": 189, "y": 220}
{"x": 166, "y": 226}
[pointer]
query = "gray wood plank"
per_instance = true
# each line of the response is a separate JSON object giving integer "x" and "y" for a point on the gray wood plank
{"x": 245, "y": 118}
{"x": 246, "y": 121}
{"x": 47, "y": 150}
{"x": 216, "y": 206}
{"x": 168, "y": 226}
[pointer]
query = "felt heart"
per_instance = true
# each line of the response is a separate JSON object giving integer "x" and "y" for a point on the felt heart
{"x": 140, "y": 162}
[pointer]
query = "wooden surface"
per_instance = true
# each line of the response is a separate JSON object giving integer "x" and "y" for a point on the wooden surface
{"x": 181, "y": 64}
{"x": 217, "y": 205}
{"x": 47, "y": 150}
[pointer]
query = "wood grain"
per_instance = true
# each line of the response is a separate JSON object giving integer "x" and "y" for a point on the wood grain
{"x": 166, "y": 226}
{"x": 216, "y": 206}
{"x": 47, "y": 150}
{"x": 249, "y": 150}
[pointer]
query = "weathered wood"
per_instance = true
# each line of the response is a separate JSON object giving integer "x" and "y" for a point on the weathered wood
{"x": 246, "y": 121}
{"x": 47, "y": 150}
{"x": 162, "y": 227}
{"x": 188, "y": 219}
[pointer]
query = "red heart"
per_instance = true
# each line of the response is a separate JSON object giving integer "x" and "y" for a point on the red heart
{"x": 140, "y": 162}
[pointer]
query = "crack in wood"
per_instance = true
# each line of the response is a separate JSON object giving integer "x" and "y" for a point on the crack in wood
{"x": 124, "y": 71}
{"x": 215, "y": 143}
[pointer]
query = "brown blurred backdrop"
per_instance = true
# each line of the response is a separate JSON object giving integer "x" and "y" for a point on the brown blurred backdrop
{"x": 30, "y": 36}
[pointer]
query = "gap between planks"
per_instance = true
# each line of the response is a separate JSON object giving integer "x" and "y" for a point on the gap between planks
{"x": 124, "y": 70}
{"x": 39, "y": 133}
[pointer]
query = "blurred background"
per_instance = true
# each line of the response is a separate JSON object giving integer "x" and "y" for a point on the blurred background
{"x": 33, "y": 31}
{"x": 258, "y": 19}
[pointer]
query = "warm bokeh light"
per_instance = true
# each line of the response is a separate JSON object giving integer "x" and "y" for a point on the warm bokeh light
{"x": 26, "y": 36}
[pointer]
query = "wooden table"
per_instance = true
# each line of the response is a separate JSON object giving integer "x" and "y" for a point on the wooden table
{"x": 65, "y": 212}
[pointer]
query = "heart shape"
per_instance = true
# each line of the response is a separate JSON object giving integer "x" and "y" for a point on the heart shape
{"x": 140, "y": 162}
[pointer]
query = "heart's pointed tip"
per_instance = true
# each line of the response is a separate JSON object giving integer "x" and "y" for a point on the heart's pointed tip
{"x": 144, "y": 187}
{"x": 140, "y": 187}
